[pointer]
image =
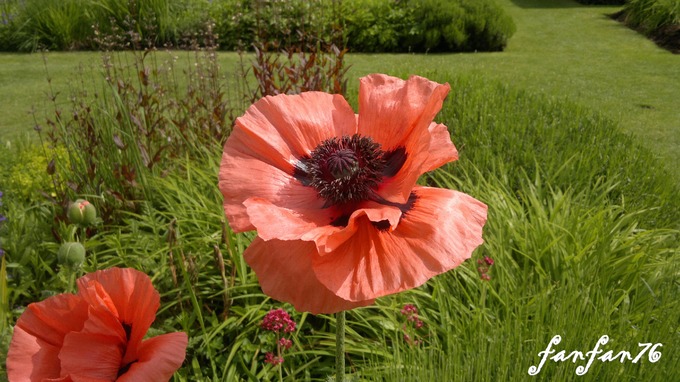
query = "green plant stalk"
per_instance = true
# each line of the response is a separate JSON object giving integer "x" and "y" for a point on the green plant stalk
{"x": 340, "y": 346}
{"x": 278, "y": 353}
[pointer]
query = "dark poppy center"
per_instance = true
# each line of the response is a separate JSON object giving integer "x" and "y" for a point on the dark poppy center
{"x": 341, "y": 164}
{"x": 343, "y": 169}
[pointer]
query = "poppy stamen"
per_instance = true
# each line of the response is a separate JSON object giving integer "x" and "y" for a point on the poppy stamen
{"x": 343, "y": 170}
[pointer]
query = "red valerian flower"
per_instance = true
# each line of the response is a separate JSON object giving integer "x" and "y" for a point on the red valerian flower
{"x": 278, "y": 320}
{"x": 333, "y": 195}
{"x": 95, "y": 335}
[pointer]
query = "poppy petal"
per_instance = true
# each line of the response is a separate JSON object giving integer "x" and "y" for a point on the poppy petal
{"x": 30, "y": 358}
{"x": 243, "y": 175}
{"x": 397, "y": 114}
{"x": 159, "y": 358}
{"x": 39, "y": 334}
{"x": 91, "y": 357}
{"x": 441, "y": 149}
{"x": 274, "y": 222}
{"x": 284, "y": 269}
{"x": 135, "y": 299}
{"x": 274, "y": 134}
{"x": 288, "y": 127}
{"x": 51, "y": 319}
{"x": 377, "y": 214}
{"x": 437, "y": 234}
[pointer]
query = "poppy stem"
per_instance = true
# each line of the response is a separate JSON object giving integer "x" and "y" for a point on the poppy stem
{"x": 340, "y": 346}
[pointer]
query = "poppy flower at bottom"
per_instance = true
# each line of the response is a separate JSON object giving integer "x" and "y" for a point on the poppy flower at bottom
{"x": 96, "y": 334}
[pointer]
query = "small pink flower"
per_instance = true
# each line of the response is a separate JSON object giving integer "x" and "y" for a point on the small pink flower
{"x": 271, "y": 359}
{"x": 409, "y": 310}
{"x": 285, "y": 343}
{"x": 278, "y": 320}
{"x": 489, "y": 261}
{"x": 485, "y": 277}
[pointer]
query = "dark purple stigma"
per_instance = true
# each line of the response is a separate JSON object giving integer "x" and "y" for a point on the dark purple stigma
{"x": 342, "y": 164}
{"x": 343, "y": 170}
{"x": 348, "y": 170}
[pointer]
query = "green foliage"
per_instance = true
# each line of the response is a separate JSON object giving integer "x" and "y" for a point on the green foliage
{"x": 427, "y": 26}
{"x": 88, "y": 24}
{"x": 602, "y": 2}
{"x": 567, "y": 262}
{"x": 363, "y": 25}
{"x": 652, "y": 15}
{"x": 23, "y": 175}
{"x": 59, "y": 25}
{"x": 284, "y": 24}
{"x": 571, "y": 145}
{"x": 377, "y": 25}
{"x": 463, "y": 25}
{"x": 141, "y": 119}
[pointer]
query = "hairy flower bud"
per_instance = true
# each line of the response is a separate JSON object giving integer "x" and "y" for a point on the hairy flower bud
{"x": 82, "y": 212}
{"x": 71, "y": 254}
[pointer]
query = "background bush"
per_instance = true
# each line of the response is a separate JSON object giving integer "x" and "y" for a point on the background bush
{"x": 83, "y": 24}
{"x": 427, "y": 26}
{"x": 657, "y": 19}
{"x": 360, "y": 25}
{"x": 602, "y": 2}
{"x": 652, "y": 15}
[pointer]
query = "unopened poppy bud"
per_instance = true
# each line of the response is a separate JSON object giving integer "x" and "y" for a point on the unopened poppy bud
{"x": 71, "y": 254}
{"x": 82, "y": 212}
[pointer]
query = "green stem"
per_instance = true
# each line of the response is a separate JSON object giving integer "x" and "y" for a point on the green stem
{"x": 71, "y": 280}
{"x": 278, "y": 353}
{"x": 340, "y": 346}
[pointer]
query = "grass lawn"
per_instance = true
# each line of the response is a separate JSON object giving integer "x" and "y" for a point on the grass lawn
{"x": 566, "y": 50}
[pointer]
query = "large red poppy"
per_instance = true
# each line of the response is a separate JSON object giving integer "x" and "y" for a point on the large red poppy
{"x": 333, "y": 195}
{"x": 95, "y": 335}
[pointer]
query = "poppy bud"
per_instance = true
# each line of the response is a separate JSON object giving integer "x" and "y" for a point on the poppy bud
{"x": 82, "y": 212}
{"x": 71, "y": 254}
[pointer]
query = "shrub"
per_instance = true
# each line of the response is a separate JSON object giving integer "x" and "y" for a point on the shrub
{"x": 79, "y": 24}
{"x": 377, "y": 25}
{"x": 602, "y": 2}
{"x": 285, "y": 24}
{"x": 657, "y": 19}
{"x": 57, "y": 25}
{"x": 651, "y": 15}
{"x": 23, "y": 176}
{"x": 427, "y": 26}
{"x": 361, "y": 25}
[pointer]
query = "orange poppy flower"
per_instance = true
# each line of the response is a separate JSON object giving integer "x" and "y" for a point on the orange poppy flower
{"x": 95, "y": 335}
{"x": 333, "y": 195}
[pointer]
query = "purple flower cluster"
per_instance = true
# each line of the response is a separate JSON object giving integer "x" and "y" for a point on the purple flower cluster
{"x": 484, "y": 267}
{"x": 279, "y": 322}
{"x": 413, "y": 323}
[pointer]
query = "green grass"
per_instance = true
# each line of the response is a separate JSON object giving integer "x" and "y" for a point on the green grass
{"x": 583, "y": 226}
{"x": 568, "y": 51}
